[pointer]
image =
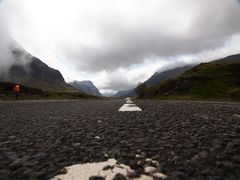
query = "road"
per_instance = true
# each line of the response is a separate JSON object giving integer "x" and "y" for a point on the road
{"x": 188, "y": 139}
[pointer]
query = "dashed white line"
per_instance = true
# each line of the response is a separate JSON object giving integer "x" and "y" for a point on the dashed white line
{"x": 107, "y": 169}
{"x": 129, "y": 106}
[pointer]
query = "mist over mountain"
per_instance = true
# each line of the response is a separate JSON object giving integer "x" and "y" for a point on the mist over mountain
{"x": 125, "y": 93}
{"x": 161, "y": 76}
{"x": 157, "y": 77}
{"x": 23, "y": 68}
{"x": 87, "y": 87}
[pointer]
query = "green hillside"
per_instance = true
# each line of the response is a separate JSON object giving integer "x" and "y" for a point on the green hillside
{"x": 217, "y": 80}
{"x": 6, "y": 93}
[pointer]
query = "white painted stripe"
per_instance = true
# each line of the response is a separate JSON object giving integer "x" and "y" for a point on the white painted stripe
{"x": 129, "y": 101}
{"x": 85, "y": 171}
{"x": 129, "y": 106}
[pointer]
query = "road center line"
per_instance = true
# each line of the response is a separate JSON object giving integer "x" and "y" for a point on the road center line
{"x": 129, "y": 106}
{"x": 108, "y": 170}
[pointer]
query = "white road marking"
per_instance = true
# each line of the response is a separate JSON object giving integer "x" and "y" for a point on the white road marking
{"x": 129, "y": 101}
{"x": 85, "y": 171}
{"x": 129, "y": 106}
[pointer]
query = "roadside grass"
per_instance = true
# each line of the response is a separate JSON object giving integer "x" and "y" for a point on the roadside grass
{"x": 28, "y": 93}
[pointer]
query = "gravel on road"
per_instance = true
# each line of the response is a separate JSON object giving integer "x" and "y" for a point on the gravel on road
{"x": 190, "y": 140}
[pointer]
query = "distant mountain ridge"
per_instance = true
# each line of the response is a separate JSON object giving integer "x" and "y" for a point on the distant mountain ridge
{"x": 31, "y": 71}
{"x": 87, "y": 87}
{"x": 125, "y": 93}
{"x": 167, "y": 74}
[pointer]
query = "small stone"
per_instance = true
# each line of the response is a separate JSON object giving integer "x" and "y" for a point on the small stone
{"x": 203, "y": 154}
{"x": 96, "y": 178}
{"x": 119, "y": 177}
{"x": 27, "y": 172}
{"x": 97, "y": 137}
{"x": 114, "y": 153}
{"x": 133, "y": 174}
{"x": 148, "y": 159}
{"x": 236, "y": 158}
{"x": 36, "y": 175}
{"x": 151, "y": 130}
{"x": 106, "y": 155}
{"x": 143, "y": 155}
{"x": 107, "y": 168}
{"x": 4, "y": 172}
{"x": 137, "y": 156}
{"x": 226, "y": 164}
{"x": 63, "y": 171}
{"x": 133, "y": 164}
{"x": 140, "y": 140}
{"x": 76, "y": 144}
{"x": 195, "y": 158}
{"x": 30, "y": 163}
{"x": 162, "y": 167}
{"x": 217, "y": 178}
{"x": 178, "y": 174}
{"x": 236, "y": 115}
{"x": 15, "y": 164}
{"x": 231, "y": 145}
{"x": 141, "y": 163}
{"x": 157, "y": 178}
{"x": 41, "y": 155}
{"x": 12, "y": 137}
{"x": 12, "y": 156}
{"x": 123, "y": 141}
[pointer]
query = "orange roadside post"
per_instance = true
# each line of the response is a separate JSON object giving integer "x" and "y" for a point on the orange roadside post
{"x": 16, "y": 90}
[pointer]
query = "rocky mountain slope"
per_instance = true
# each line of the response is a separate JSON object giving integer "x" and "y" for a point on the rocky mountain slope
{"x": 171, "y": 73}
{"x": 126, "y": 93}
{"x": 87, "y": 87}
{"x": 219, "y": 79}
{"x": 31, "y": 71}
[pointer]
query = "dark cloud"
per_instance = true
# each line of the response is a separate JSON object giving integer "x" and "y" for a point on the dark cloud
{"x": 211, "y": 26}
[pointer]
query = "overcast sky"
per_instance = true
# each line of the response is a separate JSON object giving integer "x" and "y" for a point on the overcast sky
{"x": 118, "y": 43}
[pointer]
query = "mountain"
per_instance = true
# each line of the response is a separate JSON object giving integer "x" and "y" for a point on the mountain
{"x": 232, "y": 59}
{"x": 126, "y": 93}
{"x": 156, "y": 78}
{"x": 31, "y": 71}
{"x": 171, "y": 73}
{"x": 219, "y": 79}
{"x": 87, "y": 87}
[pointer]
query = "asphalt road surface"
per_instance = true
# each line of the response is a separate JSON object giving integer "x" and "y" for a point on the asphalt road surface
{"x": 195, "y": 140}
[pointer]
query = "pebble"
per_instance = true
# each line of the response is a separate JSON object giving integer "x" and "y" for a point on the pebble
{"x": 97, "y": 137}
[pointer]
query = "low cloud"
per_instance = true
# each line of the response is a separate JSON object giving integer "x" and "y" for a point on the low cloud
{"x": 209, "y": 27}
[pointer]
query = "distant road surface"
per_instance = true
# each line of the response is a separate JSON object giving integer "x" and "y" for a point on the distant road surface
{"x": 188, "y": 139}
